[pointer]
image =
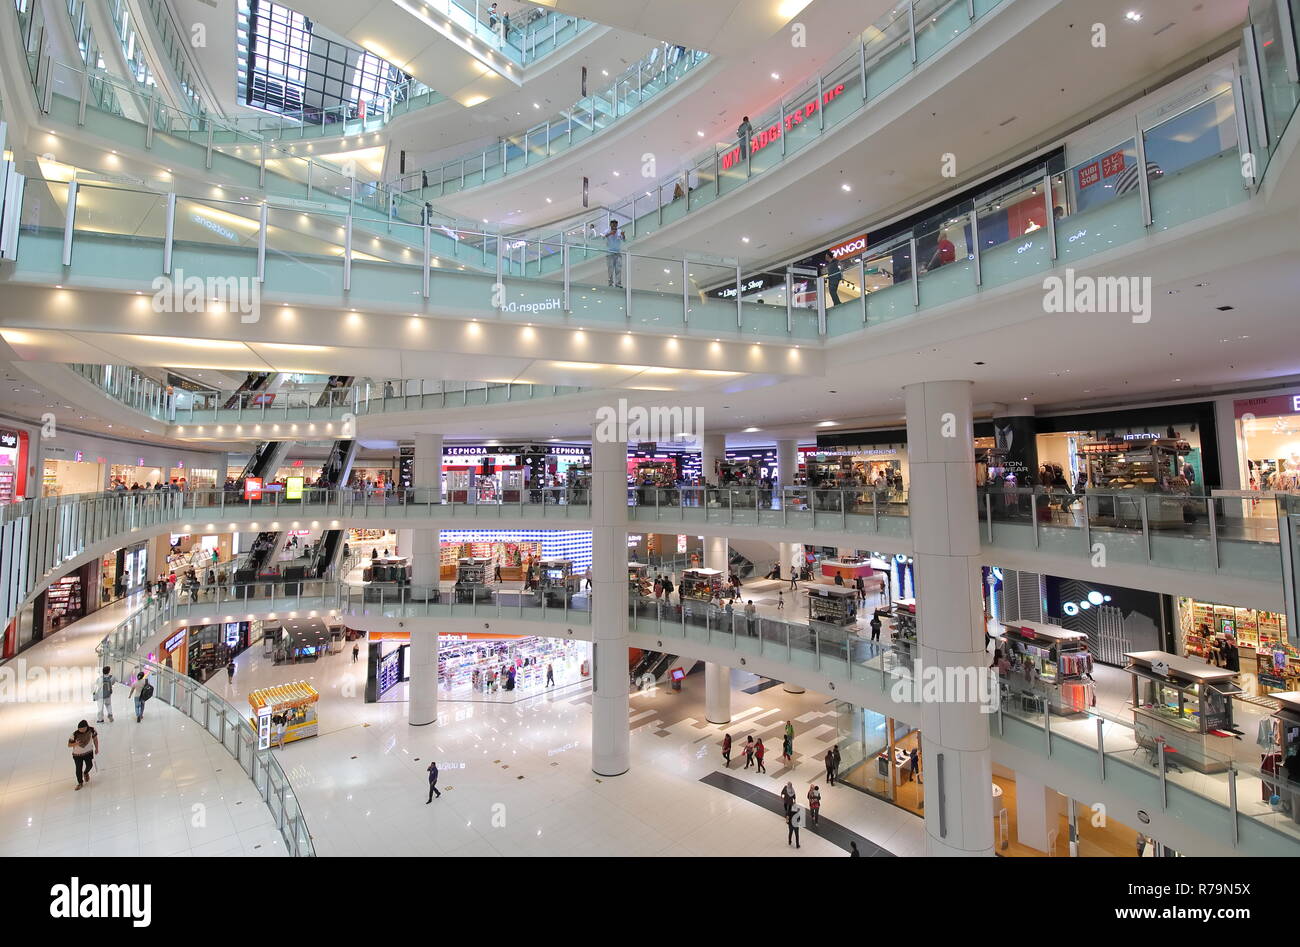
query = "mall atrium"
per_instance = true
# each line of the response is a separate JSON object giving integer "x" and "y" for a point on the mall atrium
{"x": 649, "y": 428}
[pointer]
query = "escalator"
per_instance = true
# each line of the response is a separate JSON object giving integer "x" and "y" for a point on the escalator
{"x": 264, "y": 462}
{"x": 246, "y": 394}
{"x": 335, "y": 473}
{"x": 334, "y": 387}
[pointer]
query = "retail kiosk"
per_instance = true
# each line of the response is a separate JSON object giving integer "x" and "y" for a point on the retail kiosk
{"x": 638, "y": 579}
{"x": 284, "y": 713}
{"x": 556, "y": 581}
{"x": 513, "y": 483}
{"x": 1050, "y": 666}
{"x": 832, "y": 604}
{"x": 848, "y": 568}
{"x": 472, "y": 575}
{"x": 579, "y": 480}
{"x": 462, "y": 486}
{"x": 1282, "y": 756}
{"x": 701, "y": 584}
{"x": 1187, "y": 705}
{"x": 1144, "y": 466}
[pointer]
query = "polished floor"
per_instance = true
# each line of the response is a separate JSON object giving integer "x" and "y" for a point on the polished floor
{"x": 516, "y": 779}
{"x": 162, "y": 787}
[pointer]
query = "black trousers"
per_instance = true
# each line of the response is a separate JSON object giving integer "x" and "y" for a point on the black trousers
{"x": 433, "y": 790}
{"x": 84, "y": 765}
{"x": 793, "y": 833}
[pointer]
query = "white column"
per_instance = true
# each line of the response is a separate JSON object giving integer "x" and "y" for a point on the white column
{"x": 422, "y": 546}
{"x": 717, "y": 677}
{"x": 717, "y": 693}
{"x": 609, "y": 704}
{"x": 422, "y": 688}
{"x": 791, "y": 558}
{"x": 1037, "y": 813}
{"x": 713, "y": 448}
{"x": 956, "y": 760}
{"x": 787, "y": 462}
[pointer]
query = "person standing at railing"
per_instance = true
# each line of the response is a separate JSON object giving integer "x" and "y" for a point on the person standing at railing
{"x": 614, "y": 240}
{"x": 744, "y": 131}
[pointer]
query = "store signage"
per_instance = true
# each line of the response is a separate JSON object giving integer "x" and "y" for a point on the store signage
{"x": 1160, "y": 667}
{"x": 78, "y": 456}
{"x": 253, "y": 488}
{"x": 172, "y": 643}
{"x": 1266, "y": 407}
{"x": 1105, "y": 167}
{"x": 681, "y": 543}
{"x": 8, "y": 439}
{"x": 849, "y": 247}
{"x": 647, "y": 447}
{"x": 747, "y": 286}
{"x": 1147, "y": 436}
{"x": 293, "y": 488}
{"x": 774, "y": 131}
{"x": 139, "y": 461}
{"x": 296, "y": 463}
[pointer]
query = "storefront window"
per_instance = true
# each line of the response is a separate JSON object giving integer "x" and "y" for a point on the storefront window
{"x": 66, "y": 477}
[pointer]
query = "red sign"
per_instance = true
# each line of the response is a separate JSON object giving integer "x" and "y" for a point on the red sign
{"x": 1267, "y": 407}
{"x": 1089, "y": 174}
{"x": 849, "y": 247}
{"x": 265, "y": 397}
{"x": 253, "y": 488}
{"x": 1112, "y": 164}
{"x": 774, "y": 131}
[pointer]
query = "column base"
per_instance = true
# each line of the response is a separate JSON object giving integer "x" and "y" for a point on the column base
{"x": 791, "y": 688}
{"x": 600, "y": 772}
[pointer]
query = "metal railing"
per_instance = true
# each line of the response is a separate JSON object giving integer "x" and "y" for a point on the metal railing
{"x": 638, "y": 83}
{"x": 177, "y": 405}
{"x": 122, "y": 648}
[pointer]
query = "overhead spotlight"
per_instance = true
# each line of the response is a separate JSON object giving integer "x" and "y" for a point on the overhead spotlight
{"x": 1133, "y": 16}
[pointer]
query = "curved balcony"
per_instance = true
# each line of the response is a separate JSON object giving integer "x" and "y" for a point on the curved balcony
{"x": 656, "y": 72}
{"x": 187, "y": 406}
{"x": 1189, "y": 170}
{"x": 1088, "y": 749}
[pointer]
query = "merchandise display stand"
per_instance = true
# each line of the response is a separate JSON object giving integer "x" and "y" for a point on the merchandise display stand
{"x": 1050, "y": 666}
{"x": 701, "y": 583}
{"x": 556, "y": 581}
{"x": 284, "y": 713}
{"x": 1151, "y": 468}
{"x": 832, "y": 604}
{"x": 1185, "y": 704}
{"x": 638, "y": 579}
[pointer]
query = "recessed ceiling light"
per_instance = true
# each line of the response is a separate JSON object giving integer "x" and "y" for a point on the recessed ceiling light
{"x": 751, "y": 430}
{"x": 701, "y": 134}
{"x": 603, "y": 72}
{"x": 1133, "y": 16}
{"x": 616, "y": 174}
{"x": 845, "y": 187}
{"x": 744, "y": 240}
{"x": 825, "y": 423}
{"x": 776, "y": 75}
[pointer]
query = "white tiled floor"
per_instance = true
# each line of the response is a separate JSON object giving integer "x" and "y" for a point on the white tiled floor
{"x": 160, "y": 787}
{"x": 516, "y": 779}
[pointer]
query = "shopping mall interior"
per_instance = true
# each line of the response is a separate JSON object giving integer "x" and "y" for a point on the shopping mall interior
{"x": 775, "y": 428}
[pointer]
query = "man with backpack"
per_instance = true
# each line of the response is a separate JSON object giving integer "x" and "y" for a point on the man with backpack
{"x": 104, "y": 694}
{"x": 141, "y": 691}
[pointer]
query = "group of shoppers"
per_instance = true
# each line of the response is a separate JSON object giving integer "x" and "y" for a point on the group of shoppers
{"x": 84, "y": 741}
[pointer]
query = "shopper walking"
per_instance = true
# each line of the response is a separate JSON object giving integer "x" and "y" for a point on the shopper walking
{"x": 750, "y": 612}
{"x": 780, "y": 601}
{"x": 614, "y": 240}
{"x": 356, "y": 650}
{"x": 759, "y": 752}
{"x": 104, "y": 694}
{"x": 84, "y": 743}
{"x": 794, "y": 819}
{"x": 140, "y": 691}
{"x": 830, "y": 766}
{"x": 835, "y": 773}
{"x": 833, "y": 279}
{"x": 787, "y": 748}
{"x": 230, "y": 670}
{"x": 875, "y": 628}
{"x": 726, "y": 750}
{"x": 814, "y": 803}
{"x": 853, "y": 850}
{"x": 433, "y": 782}
{"x": 749, "y": 752}
{"x": 787, "y": 797}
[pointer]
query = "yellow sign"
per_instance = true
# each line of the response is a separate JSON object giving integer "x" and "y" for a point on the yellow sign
{"x": 293, "y": 488}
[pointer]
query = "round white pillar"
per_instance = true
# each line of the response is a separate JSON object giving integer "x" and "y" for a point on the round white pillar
{"x": 422, "y": 686}
{"x": 717, "y": 693}
{"x": 955, "y": 743}
{"x": 713, "y": 449}
{"x": 787, "y": 462}
{"x": 609, "y": 622}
